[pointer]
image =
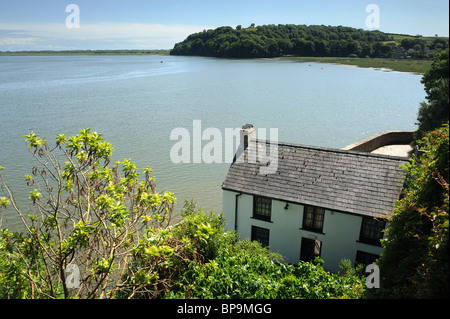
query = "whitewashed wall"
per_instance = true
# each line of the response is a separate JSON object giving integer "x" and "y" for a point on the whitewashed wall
{"x": 339, "y": 239}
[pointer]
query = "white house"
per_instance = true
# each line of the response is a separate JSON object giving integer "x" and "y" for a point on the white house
{"x": 320, "y": 201}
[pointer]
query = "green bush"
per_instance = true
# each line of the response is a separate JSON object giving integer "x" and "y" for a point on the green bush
{"x": 245, "y": 269}
{"x": 117, "y": 230}
{"x": 415, "y": 260}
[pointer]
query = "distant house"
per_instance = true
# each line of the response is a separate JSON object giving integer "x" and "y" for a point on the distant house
{"x": 399, "y": 53}
{"x": 323, "y": 202}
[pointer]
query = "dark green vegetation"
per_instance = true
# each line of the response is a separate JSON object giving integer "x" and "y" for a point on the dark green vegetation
{"x": 87, "y": 52}
{"x": 270, "y": 41}
{"x": 415, "y": 260}
{"x": 419, "y": 44}
{"x": 243, "y": 269}
{"x": 117, "y": 231}
{"x": 435, "y": 111}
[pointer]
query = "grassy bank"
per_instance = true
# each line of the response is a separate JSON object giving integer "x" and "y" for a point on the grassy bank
{"x": 87, "y": 52}
{"x": 401, "y": 65}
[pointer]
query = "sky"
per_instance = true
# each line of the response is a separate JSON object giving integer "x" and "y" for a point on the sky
{"x": 159, "y": 24}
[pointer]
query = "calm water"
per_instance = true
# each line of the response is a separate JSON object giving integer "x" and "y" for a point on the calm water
{"x": 136, "y": 101}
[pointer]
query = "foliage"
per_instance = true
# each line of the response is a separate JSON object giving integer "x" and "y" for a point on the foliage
{"x": 414, "y": 263}
{"x": 421, "y": 44}
{"x": 300, "y": 40}
{"x": 117, "y": 231}
{"x": 245, "y": 269}
{"x": 433, "y": 113}
{"x": 162, "y": 256}
{"x": 346, "y": 268}
{"x": 84, "y": 213}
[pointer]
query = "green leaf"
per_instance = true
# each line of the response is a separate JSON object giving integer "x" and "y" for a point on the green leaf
{"x": 34, "y": 139}
{"x": 68, "y": 185}
{"x": 104, "y": 266}
{"x": 81, "y": 157}
{"x": 35, "y": 195}
{"x": 4, "y": 202}
{"x": 152, "y": 251}
{"x": 61, "y": 139}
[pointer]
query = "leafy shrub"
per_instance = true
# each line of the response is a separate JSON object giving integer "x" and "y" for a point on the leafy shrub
{"x": 245, "y": 269}
{"x": 415, "y": 260}
{"x": 118, "y": 231}
{"x": 84, "y": 213}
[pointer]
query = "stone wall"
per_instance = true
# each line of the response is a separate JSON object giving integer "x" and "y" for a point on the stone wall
{"x": 378, "y": 140}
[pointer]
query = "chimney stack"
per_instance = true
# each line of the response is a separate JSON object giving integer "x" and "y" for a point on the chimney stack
{"x": 247, "y": 133}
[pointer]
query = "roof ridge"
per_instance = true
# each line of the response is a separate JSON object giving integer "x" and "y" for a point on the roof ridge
{"x": 334, "y": 150}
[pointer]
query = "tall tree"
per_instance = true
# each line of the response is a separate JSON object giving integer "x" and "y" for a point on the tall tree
{"x": 277, "y": 40}
{"x": 435, "y": 111}
{"x": 86, "y": 221}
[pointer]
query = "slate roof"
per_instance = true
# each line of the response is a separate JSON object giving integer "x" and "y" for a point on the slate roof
{"x": 341, "y": 180}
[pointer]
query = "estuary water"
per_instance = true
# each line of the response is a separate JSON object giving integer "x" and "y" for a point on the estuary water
{"x": 137, "y": 101}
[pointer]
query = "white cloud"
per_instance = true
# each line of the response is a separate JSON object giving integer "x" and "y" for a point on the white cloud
{"x": 106, "y": 35}
{"x": 18, "y": 41}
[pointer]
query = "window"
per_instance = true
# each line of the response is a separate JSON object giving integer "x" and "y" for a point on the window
{"x": 261, "y": 235}
{"x": 262, "y": 208}
{"x": 313, "y": 218}
{"x": 310, "y": 249}
{"x": 365, "y": 258}
{"x": 372, "y": 230}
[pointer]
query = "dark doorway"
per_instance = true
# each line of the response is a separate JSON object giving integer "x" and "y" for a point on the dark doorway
{"x": 310, "y": 249}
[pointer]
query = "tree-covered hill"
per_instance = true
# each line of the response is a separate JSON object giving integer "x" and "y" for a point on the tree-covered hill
{"x": 268, "y": 41}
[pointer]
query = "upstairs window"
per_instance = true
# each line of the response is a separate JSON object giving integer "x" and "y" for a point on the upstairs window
{"x": 262, "y": 208}
{"x": 313, "y": 219}
{"x": 372, "y": 230}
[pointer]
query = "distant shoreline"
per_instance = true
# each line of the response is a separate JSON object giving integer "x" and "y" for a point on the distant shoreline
{"x": 387, "y": 64}
{"x": 85, "y": 52}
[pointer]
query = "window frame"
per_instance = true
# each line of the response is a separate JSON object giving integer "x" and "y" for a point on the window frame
{"x": 369, "y": 226}
{"x": 259, "y": 207}
{"x": 365, "y": 258}
{"x": 308, "y": 223}
{"x": 261, "y": 235}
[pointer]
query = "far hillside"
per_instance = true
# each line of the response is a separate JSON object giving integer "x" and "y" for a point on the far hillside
{"x": 268, "y": 41}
